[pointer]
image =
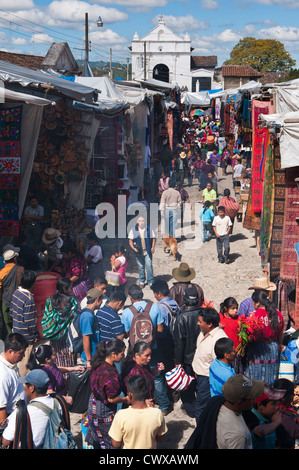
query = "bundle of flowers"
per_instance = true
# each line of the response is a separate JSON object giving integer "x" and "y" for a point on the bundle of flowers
{"x": 248, "y": 330}
{"x": 207, "y": 304}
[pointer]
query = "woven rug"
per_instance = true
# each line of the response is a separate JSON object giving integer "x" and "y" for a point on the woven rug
{"x": 268, "y": 206}
{"x": 260, "y": 147}
{"x": 278, "y": 216}
{"x": 252, "y": 220}
{"x": 289, "y": 258}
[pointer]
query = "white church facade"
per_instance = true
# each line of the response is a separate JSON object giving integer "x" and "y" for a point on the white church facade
{"x": 165, "y": 56}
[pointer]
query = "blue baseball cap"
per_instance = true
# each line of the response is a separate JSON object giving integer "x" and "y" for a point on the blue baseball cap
{"x": 36, "y": 377}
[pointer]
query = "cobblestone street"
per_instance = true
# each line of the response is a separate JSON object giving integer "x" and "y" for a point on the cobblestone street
{"x": 217, "y": 280}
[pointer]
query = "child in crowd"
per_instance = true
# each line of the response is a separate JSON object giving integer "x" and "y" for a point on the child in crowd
{"x": 265, "y": 418}
{"x": 206, "y": 215}
{"x": 43, "y": 357}
{"x": 139, "y": 426}
{"x": 222, "y": 226}
{"x": 229, "y": 318}
{"x": 119, "y": 264}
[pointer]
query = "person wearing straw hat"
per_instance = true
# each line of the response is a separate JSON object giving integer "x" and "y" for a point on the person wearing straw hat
{"x": 51, "y": 238}
{"x": 260, "y": 283}
{"x": 184, "y": 274}
{"x": 180, "y": 167}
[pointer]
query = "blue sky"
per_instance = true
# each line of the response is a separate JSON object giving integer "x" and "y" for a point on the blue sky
{"x": 215, "y": 26}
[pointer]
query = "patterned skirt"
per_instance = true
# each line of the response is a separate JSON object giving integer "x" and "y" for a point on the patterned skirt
{"x": 80, "y": 290}
{"x": 262, "y": 361}
{"x": 100, "y": 417}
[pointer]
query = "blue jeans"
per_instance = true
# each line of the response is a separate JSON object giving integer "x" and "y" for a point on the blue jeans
{"x": 161, "y": 393}
{"x": 202, "y": 394}
{"x": 206, "y": 230}
{"x": 222, "y": 244}
{"x": 144, "y": 263}
{"x": 170, "y": 221}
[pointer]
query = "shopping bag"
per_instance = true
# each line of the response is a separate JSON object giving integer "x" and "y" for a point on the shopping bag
{"x": 178, "y": 379}
{"x": 78, "y": 385}
{"x": 286, "y": 369}
{"x": 113, "y": 278}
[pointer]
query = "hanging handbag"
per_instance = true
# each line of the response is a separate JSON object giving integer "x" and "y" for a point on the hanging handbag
{"x": 178, "y": 379}
{"x": 113, "y": 278}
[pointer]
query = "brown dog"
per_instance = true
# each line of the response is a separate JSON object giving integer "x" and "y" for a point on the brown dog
{"x": 171, "y": 243}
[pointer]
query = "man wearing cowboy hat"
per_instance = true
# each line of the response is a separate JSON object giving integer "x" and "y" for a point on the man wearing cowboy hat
{"x": 261, "y": 283}
{"x": 184, "y": 275}
{"x": 51, "y": 239}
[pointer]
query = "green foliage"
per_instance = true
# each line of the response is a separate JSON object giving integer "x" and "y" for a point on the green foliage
{"x": 293, "y": 73}
{"x": 264, "y": 55}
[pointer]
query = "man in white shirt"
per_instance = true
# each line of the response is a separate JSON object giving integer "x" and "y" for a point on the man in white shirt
{"x": 100, "y": 284}
{"x": 142, "y": 240}
{"x": 35, "y": 385}
{"x": 10, "y": 390}
{"x": 238, "y": 170}
{"x": 210, "y": 332}
{"x": 222, "y": 225}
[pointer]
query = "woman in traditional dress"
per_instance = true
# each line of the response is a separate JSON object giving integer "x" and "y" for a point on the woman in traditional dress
{"x": 106, "y": 388}
{"x": 59, "y": 312}
{"x": 119, "y": 264}
{"x": 93, "y": 257}
{"x": 74, "y": 268}
{"x": 262, "y": 355}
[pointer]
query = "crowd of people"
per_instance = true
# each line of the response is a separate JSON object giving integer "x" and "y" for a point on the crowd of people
{"x": 129, "y": 345}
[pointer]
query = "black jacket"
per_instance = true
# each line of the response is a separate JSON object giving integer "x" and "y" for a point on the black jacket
{"x": 185, "y": 333}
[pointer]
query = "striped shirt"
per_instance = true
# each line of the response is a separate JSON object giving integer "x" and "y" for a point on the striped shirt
{"x": 23, "y": 312}
{"x": 246, "y": 307}
{"x": 109, "y": 323}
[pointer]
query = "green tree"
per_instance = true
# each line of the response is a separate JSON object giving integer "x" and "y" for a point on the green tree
{"x": 264, "y": 55}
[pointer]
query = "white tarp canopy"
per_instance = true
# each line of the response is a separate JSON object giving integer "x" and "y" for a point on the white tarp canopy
{"x": 289, "y": 136}
{"x": 6, "y": 94}
{"x": 117, "y": 92}
{"x": 287, "y": 96}
{"x": 200, "y": 98}
{"x": 252, "y": 86}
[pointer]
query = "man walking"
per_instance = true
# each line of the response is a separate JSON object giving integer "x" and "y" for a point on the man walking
{"x": 142, "y": 240}
{"x": 222, "y": 226}
{"x": 170, "y": 206}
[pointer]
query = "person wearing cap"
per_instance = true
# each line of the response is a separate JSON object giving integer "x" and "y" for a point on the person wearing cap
{"x": 10, "y": 277}
{"x": 184, "y": 274}
{"x": 264, "y": 419}
{"x": 33, "y": 218}
{"x": 53, "y": 242}
{"x": 185, "y": 334}
{"x": 170, "y": 207}
{"x": 221, "y": 424}
{"x": 262, "y": 355}
{"x": 89, "y": 326}
{"x": 35, "y": 384}
{"x": 210, "y": 332}
{"x": 11, "y": 391}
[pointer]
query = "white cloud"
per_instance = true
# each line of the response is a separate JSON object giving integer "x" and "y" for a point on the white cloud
{"x": 106, "y": 37}
{"x": 41, "y": 38}
{"x": 16, "y": 4}
{"x": 209, "y": 4}
{"x": 19, "y": 41}
{"x": 284, "y": 4}
{"x": 68, "y": 12}
{"x": 281, "y": 33}
{"x": 183, "y": 23}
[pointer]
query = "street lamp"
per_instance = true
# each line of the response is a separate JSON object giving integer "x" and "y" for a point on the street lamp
{"x": 99, "y": 24}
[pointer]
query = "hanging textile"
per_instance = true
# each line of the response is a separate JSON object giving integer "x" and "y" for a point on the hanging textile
{"x": 170, "y": 128}
{"x": 10, "y": 169}
{"x": 268, "y": 206}
{"x": 289, "y": 263}
{"x": 278, "y": 216}
{"x": 260, "y": 147}
{"x": 252, "y": 220}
